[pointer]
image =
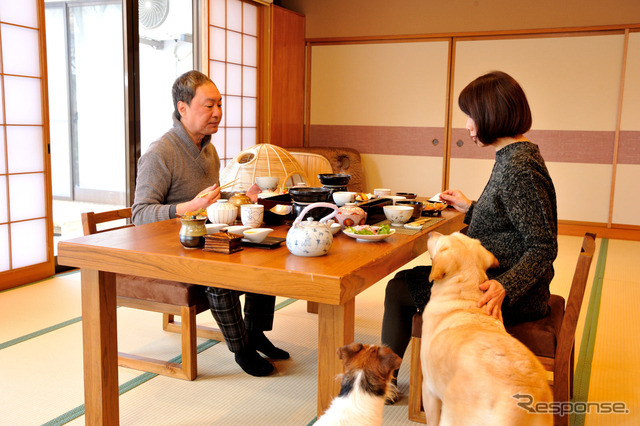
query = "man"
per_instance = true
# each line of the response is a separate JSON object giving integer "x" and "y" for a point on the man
{"x": 172, "y": 174}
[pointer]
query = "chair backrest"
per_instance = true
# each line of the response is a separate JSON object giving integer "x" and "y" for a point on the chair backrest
{"x": 90, "y": 220}
{"x": 574, "y": 302}
{"x": 313, "y": 164}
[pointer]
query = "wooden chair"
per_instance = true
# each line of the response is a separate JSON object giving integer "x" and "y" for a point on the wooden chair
{"x": 167, "y": 297}
{"x": 551, "y": 339}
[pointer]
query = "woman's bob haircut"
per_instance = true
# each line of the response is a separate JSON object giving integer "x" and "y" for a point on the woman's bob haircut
{"x": 498, "y": 106}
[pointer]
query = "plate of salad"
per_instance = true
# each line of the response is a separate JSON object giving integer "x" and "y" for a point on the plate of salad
{"x": 369, "y": 232}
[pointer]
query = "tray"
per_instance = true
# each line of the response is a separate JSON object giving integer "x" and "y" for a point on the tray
{"x": 374, "y": 209}
{"x": 269, "y": 242}
{"x": 270, "y": 202}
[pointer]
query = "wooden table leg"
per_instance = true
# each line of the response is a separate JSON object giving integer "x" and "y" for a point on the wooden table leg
{"x": 100, "y": 347}
{"x": 335, "y": 329}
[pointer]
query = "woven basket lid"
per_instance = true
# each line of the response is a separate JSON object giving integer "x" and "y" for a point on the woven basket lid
{"x": 262, "y": 159}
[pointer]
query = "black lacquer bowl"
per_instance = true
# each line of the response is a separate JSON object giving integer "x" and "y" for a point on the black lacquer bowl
{"x": 334, "y": 179}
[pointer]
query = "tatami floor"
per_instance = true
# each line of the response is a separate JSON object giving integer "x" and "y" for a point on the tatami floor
{"x": 41, "y": 355}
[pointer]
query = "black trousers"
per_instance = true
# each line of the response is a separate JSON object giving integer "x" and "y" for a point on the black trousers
{"x": 406, "y": 294}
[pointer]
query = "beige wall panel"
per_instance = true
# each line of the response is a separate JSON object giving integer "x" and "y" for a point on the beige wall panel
{"x": 631, "y": 99}
{"x": 422, "y": 175}
{"x": 567, "y": 88}
{"x": 582, "y": 191}
{"x": 470, "y": 175}
{"x": 626, "y": 203}
{"x": 340, "y": 18}
{"x": 392, "y": 84}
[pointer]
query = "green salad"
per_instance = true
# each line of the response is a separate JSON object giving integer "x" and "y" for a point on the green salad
{"x": 369, "y": 230}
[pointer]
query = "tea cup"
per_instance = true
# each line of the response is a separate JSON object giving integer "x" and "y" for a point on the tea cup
{"x": 343, "y": 197}
{"x": 252, "y": 214}
{"x": 382, "y": 192}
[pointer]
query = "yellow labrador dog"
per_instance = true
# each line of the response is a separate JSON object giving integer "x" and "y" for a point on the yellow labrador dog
{"x": 472, "y": 367}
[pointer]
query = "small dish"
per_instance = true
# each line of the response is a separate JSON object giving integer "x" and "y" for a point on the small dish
{"x": 407, "y": 195}
{"x": 236, "y": 229}
{"x": 257, "y": 235}
{"x": 396, "y": 198}
{"x": 212, "y": 228}
{"x": 335, "y": 228}
{"x": 364, "y": 237}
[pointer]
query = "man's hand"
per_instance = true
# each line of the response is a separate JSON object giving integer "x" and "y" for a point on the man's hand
{"x": 204, "y": 199}
{"x": 494, "y": 294}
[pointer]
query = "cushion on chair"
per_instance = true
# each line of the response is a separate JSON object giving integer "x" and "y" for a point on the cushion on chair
{"x": 342, "y": 160}
{"x": 156, "y": 290}
{"x": 541, "y": 336}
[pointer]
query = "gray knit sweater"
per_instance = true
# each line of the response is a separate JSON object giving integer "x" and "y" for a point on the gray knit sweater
{"x": 172, "y": 171}
{"x": 515, "y": 218}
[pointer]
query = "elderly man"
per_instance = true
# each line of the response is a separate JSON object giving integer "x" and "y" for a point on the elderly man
{"x": 175, "y": 170}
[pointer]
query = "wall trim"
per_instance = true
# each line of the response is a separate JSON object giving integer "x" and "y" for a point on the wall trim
{"x": 615, "y": 232}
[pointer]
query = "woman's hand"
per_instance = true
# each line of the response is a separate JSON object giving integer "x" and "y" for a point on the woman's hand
{"x": 204, "y": 199}
{"x": 456, "y": 199}
{"x": 494, "y": 294}
{"x": 253, "y": 192}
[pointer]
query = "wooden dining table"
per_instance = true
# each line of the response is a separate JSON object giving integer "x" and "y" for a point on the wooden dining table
{"x": 331, "y": 282}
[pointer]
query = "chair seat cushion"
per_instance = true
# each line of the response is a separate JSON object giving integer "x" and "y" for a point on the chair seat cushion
{"x": 541, "y": 336}
{"x": 163, "y": 291}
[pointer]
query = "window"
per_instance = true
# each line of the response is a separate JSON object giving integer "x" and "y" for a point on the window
{"x": 233, "y": 66}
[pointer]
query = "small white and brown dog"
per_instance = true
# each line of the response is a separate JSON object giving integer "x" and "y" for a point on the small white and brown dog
{"x": 472, "y": 367}
{"x": 365, "y": 384}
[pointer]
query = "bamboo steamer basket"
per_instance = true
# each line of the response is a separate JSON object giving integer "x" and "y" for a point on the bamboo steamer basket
{"x": 262, "y": 159}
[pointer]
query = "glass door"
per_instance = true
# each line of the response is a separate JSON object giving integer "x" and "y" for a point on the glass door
{"x": 85, "y": 53}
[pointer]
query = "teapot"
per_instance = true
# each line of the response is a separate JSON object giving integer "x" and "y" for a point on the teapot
{"x": 311, "y": 238}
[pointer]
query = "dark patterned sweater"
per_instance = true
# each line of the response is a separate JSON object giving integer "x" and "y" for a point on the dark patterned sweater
{"x": 515, "y": 218}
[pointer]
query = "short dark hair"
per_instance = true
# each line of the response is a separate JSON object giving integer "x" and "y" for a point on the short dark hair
{"x": 498, "y": 106}
{"x": 184, "y": 88}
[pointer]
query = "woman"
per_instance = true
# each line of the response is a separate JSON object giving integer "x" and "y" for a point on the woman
{"x": 515, "y": 217}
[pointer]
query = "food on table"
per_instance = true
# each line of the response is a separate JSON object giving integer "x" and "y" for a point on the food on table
{"x": 197, "y": 214}
{"x": 369, "y": 230}
{"x": 364, "y": 196}
{"x": 434, "y": 206}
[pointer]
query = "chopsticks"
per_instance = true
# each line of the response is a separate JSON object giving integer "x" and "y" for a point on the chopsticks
{"x": 226, "y": 185}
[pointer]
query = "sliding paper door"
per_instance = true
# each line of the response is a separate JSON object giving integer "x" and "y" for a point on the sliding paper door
{"x": 574, "y": 103}
{"x": 26, "y": 247}
{"x": 388, "y": 101}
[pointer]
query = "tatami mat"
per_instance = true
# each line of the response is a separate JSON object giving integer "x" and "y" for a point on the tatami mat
{"x": 615, "y": 370}
{"x": 41, "y": 377}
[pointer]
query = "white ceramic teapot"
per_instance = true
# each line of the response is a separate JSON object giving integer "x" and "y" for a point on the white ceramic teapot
{"x": 311, "y": 238}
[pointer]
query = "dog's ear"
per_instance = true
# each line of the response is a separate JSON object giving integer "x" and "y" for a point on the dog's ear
{"x": 389, "y": 360}
{"x": 443, "y": 263}
{"x": 347, "y": 351}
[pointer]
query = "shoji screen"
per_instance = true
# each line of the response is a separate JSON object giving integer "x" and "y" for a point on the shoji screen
{"x": 233, "y": 67}
{"x": 573, "y": 100}
{"x": 25, "y": 202}
{"x": 388, "y": 101}
{"x": 626, "y": 202}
